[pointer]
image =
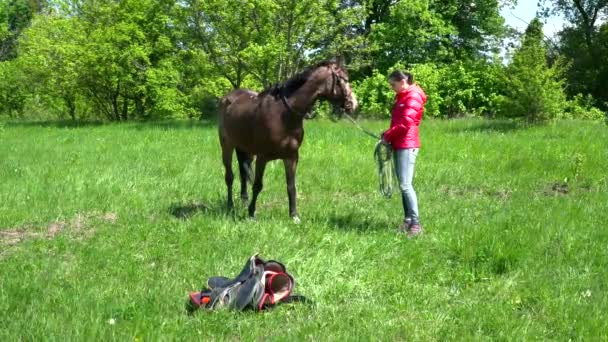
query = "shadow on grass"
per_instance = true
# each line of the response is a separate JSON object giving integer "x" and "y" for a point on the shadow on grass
{"x": 173, "y": 125}
{"x": 491, "y": 126}
{"x": 354, "y": 223}
{"x": 164, "y": 125}
{"x": 56, "y": 124}
{"x": 185, "y": 211}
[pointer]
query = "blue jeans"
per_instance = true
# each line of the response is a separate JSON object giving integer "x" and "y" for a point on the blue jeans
{"x": 405, "y": 161}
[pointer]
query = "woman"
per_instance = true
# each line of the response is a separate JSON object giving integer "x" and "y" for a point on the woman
{"x": 403, "y": 137}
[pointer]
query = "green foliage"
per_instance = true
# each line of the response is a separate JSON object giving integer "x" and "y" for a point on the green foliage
{"x": 412, "y": 32}
{"x": 130, "y": 61}
{"x": 147, "y": 60}
{"x": 50, "y": 58}
{"x": 15, "y": 16}
{"x": 534, "y": 90}
{"x": 458, "y": 89}
{"x": 583, "y": 108}
{"x": 265, "y": 40}
{"x": 441, "y": 32}
{"x": 12, "y": 97}
{"x": 429, "y": 77}
{"x": 4, "y": 31}
{"x": 116, "y": 60}
{"x": 374, "y": 95}
{"x": 584, "y": 43}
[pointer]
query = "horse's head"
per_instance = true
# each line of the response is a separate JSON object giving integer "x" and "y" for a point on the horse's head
{"x": 337, "y": 88}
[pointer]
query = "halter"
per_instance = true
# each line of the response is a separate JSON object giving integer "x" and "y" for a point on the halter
{"x": 336, "y": 79}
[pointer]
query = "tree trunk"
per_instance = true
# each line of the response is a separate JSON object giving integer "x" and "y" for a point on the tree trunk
{"x": 70, "y": 103}
{"x": 115, "y": 110}
{"x": 139, "y": 107}
{"x": 125, "y": 108}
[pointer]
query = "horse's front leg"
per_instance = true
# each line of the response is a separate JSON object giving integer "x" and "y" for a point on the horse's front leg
{"x": 258, "y": 184}
{"x": 228, "y": 175}
{"x": 291, "y": 165}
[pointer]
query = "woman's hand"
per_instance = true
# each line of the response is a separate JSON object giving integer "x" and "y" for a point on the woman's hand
{"x": 382, "y": 140}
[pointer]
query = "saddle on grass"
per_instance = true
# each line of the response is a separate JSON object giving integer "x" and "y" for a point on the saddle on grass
{"x": 260, "y": 285}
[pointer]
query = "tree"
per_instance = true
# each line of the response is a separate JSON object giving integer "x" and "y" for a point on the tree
{"x": 130, "y": 67}
{"x": 15, "y": 16}
{"x": 49, "y": 55}
{"x": 534, "y": 90}
{"x": 263, "y": 40}
{"x": 585, "y": 14}
{"x": 585, "y": 44}
{"x": 438, "y": 31}
{"x": 12, "y": 94}
{"x": 118, "y": 59}
{"x": 478, "y": 24}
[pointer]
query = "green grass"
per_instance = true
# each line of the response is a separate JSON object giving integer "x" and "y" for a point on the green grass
{"x": 90, "y": 237}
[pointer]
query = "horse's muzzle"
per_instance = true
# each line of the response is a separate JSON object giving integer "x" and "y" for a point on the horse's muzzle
{"x": 351, "y": 105}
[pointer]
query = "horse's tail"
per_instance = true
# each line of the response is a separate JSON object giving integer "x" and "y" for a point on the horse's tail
{"x": 245, "y": 161}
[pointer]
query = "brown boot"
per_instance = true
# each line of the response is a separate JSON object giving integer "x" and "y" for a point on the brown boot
{"x": 414, "y": 230}
{"x": 405, "y": 226}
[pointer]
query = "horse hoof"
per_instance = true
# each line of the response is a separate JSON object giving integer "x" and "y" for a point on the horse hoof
{"x": 296, "y": 220}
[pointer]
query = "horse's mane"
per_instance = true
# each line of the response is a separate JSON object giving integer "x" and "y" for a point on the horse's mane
{"x": 294, "y": 83}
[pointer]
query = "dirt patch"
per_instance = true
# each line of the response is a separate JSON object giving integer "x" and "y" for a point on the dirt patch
{"x": 557, "y": 189}
{"x": 501, "y": 194}
{"x": 54, "y": 229}
{"x": 110, "y": 217}
{"x": 80, "y": 226}
{"x": 13, "y": 237}
{"x": 563, "y": 188}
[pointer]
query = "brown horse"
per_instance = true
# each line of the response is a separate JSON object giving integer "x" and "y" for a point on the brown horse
{"x": 269, "y": 125}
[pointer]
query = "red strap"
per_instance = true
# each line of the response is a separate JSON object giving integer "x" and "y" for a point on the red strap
{"x": 269, "y": 293}
{"x": 269, "y": 286}
{"x": 263, "y": 301}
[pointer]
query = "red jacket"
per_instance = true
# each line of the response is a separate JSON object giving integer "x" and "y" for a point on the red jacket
{"x": 405, "y": 118}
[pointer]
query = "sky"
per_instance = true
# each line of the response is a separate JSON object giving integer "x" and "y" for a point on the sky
{"x": 526, "y": 10}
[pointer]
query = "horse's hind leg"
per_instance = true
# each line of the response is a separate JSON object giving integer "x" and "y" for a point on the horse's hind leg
{"x": 229, "y": 175}
{"x": 245, "y": 172}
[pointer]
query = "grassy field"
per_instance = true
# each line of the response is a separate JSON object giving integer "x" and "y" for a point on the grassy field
{"x": 105, "y": 229}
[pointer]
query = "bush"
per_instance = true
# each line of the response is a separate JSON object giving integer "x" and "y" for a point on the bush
{"x": 205, "y": 94}
{"x": 429, "y": 77}
{"x": 534, "y": 90}
{"x": 376, "y": 98}
{"x": 582, "y": 108}
{"x": 456, "y": 90}
{"x": 322, "y": 109}
{"x": 374, "y": 95}
{"x": 12, "y": 94}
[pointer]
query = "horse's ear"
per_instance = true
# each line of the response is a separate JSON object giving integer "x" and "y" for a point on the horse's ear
{"x": 340, "y": 61}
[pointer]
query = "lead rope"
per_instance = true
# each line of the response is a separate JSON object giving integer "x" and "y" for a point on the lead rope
{"x": 383, "y": 155}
